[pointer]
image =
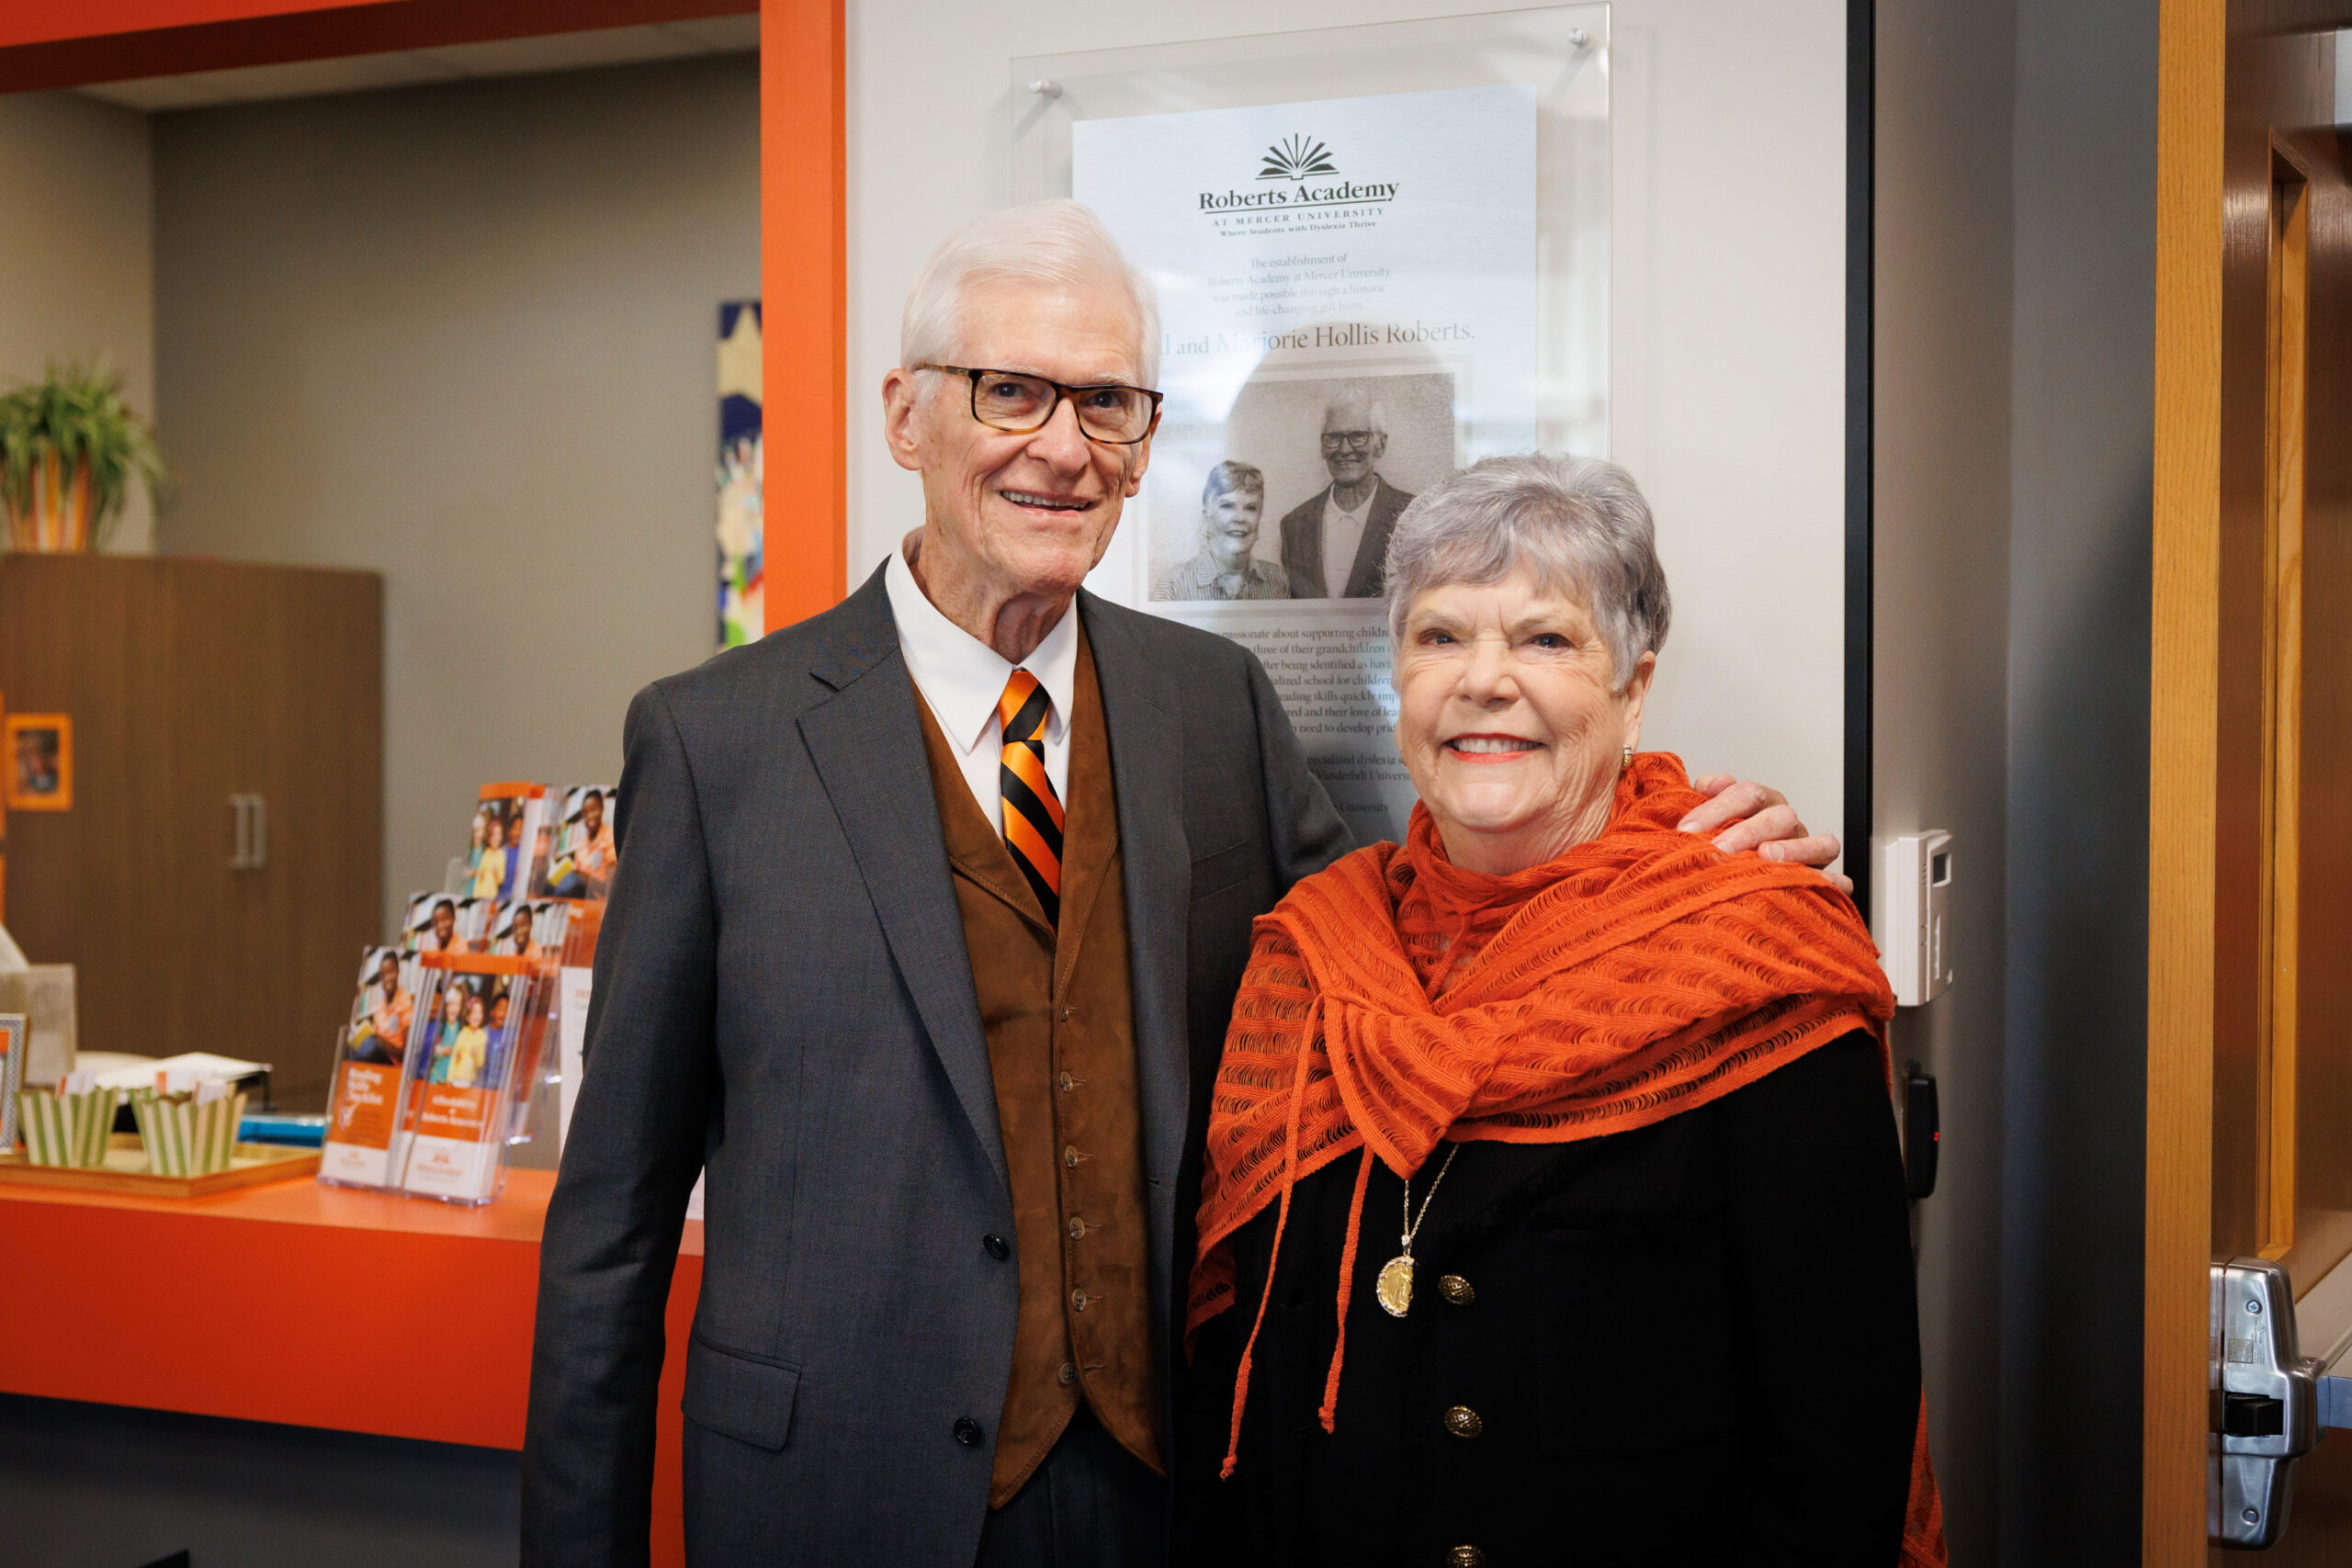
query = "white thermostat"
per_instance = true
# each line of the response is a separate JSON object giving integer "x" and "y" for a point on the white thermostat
{"x": 1918, "y": 955}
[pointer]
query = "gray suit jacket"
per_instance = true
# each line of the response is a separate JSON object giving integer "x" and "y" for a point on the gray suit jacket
{"x": 782, "y": 1000}
{"x": 1367, "y": 574}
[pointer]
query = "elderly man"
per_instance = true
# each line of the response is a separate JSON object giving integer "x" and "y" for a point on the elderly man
{"x": 930, "y": 915}
{"x": 1226, "y": 566}
{"x": 1347, "y": 524}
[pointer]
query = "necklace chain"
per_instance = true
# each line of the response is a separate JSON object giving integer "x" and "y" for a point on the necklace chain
{"x": 1412, "y": 1226}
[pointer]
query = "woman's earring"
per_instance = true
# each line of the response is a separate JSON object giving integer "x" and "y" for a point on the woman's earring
{"x": 1628, "y": 762}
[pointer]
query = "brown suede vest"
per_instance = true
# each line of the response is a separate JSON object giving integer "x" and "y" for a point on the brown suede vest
{"x": 1059, "y": 1017}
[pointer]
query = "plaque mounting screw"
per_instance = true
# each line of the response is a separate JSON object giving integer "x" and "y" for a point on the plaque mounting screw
{"x": 1579, "y": 38}
{"x": 1046, "y": 89}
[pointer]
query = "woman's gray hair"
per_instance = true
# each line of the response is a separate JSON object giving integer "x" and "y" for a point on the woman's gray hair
{"x": 1578, "y": 523}
{"x": 1056, "y": 243}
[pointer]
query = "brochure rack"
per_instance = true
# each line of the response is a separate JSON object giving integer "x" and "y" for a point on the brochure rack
{"x": 431, "y": 1115}
{"x": 439, "y": 1063}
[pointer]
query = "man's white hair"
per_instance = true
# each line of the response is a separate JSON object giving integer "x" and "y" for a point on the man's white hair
{"x": 1375, "y": 414}
{"x": 1054, "y": 243}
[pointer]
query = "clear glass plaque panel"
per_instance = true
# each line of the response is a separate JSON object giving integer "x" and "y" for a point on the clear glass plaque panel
{"x": 1381, "y": 252}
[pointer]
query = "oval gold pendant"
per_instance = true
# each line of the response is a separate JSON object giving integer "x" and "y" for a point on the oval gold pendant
{"x": 1396, "y": 1286}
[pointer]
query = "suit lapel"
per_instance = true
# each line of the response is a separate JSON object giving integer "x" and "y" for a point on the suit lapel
{"x": 1141, "y": 720}
{"x": 1379, "y": 519}
{"x": 866, "y": 744}
{"x": 1302, "y": 541}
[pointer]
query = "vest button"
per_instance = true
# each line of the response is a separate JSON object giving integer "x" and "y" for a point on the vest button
{"x": 1078, "y": 1228}
{"x": 1070, "y": 1157}
{"x": 967, "y": 1431}
{"x": 997, "y": 1248}
{"x": 1080, "y": 1301}
{"x": 1066, "y": 1082}
{"x": 1464, "y": 1422}
{"x": 1457, "y": 1291}
{"x": 1465, "y": 1557}
{"x": 1069, "y": 1374}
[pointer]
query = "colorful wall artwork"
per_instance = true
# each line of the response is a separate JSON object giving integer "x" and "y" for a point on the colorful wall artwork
{"x": 741, "y": 526}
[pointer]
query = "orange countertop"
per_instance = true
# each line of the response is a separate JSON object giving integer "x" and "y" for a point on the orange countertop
{"x": 305, "y": 1305}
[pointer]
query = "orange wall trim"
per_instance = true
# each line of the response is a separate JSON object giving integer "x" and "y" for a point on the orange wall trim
{"x": 804, "y": 282}
{"x": 49, "y": 21}
{"x": 65, "y": 43}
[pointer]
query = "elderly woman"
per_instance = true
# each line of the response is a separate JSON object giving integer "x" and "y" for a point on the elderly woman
{"x": 1553, "y": 1212}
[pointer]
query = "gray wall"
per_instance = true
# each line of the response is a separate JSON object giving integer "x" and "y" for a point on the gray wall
{"x": 1940, "y": 722}
{"x": 76, "y": 263}
{"x": 2015, "y": 312}
{"x": 2082, "y": 443}
{"x": 463, "y": 336}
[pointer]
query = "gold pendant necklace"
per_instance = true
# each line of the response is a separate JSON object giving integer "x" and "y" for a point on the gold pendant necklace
{"x": 1395, "y": 1287}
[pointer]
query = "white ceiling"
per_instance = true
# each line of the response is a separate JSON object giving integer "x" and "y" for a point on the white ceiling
{"x": 406, "y": 68}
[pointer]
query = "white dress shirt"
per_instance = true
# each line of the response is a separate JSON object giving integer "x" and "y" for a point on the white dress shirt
{"x": 1342, "y": 536}
{"x": 961, "y": 678}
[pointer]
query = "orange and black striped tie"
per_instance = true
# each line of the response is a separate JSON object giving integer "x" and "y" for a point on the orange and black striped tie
{"x": 1033, "y": 812}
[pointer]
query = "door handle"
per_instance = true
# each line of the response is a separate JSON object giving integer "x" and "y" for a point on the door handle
{"x": 2269, "y": 1402}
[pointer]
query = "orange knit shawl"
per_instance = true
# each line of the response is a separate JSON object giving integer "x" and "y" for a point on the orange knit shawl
{"x": 1393, "y": 1001}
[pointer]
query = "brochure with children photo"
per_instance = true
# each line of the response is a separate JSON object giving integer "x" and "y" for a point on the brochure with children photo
{"x": 371, "y": 1060}
{"x": 473, "y": 1009}
{"x": 431, "y": 924}
{"x": 581, "y": 864}
{"x": 505, "y": 835}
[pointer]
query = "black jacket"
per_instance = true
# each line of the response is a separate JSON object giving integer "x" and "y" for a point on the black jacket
{"x": 1365, "y": 576}
{"x": 1692, "y": 1343}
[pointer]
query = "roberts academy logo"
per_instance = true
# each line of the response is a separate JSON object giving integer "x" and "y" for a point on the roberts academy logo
{"x": 1295, "y": 160}
{"x": 1282, "y": 179}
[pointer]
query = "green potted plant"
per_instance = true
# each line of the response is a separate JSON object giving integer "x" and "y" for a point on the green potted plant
{"x": 70, "y": 448}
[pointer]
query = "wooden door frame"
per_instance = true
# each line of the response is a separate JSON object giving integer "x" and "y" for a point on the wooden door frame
{"x": 2185, "y": 771}
{"x": 2183, "y": 776}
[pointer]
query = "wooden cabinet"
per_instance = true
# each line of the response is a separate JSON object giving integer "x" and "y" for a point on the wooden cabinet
{"x": 189, "y": 682}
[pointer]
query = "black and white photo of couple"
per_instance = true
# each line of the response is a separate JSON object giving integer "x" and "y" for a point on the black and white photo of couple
{"x": 1360, "y": 446}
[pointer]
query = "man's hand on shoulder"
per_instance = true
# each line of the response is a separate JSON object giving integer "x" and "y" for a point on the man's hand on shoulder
{"x": 1744, "y": 816}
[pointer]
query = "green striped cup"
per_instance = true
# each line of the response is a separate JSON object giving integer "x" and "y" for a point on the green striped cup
{"x": 67, "y": 1129}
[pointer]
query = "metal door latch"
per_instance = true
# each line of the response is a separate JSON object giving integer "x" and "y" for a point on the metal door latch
{"x": 2269, "y": 1404}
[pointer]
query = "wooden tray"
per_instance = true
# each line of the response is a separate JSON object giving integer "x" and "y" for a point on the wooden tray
{"x": 126, "y": 1171}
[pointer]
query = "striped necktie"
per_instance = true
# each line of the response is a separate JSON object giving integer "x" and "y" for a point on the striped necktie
{"x": 1033, "y": 812}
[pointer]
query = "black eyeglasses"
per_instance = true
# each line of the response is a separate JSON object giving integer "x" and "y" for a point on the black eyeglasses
{"x": 1018, "y": 404}
{"x": 1358, "y": 440}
